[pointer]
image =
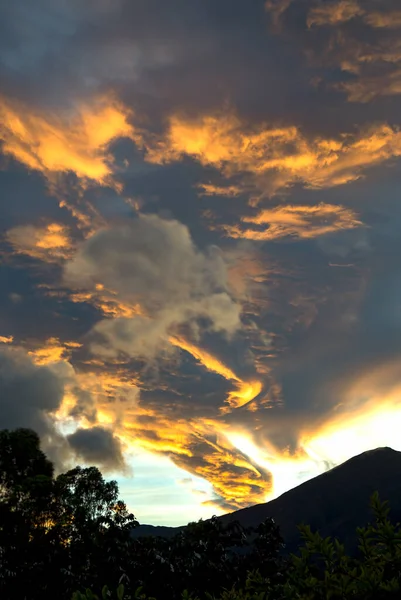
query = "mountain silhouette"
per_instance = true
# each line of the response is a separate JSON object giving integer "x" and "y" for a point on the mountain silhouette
{"x": 335, "y": 503}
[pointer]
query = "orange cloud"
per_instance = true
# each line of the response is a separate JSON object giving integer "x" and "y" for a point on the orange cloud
{"x": 334, "y": 13}
{"x": 271, "y": 158}
{"x": 367, "y": 88}
{"x": 107, "y": 302}
{"x": 277, "y": 8}
{"x": 287, "y": 469}
{"x": 6, "y": 339}
{"x": 209, "y": 189}
{"x": 358, "y": 52}
{"x": 243, "y": 395}
{"x": 109, "y": 395}
{"x": 234, "y": 478}
{"x": 245, "y": 391}
{"x": 342, "y": 11}
{"x": 49, "y": 243}
{"x": 298, "y": 221}
{"x": 53, "y": 351}
{"x": 368, "y": 416}
{"x": 205, "y": 358}
{"x": 379, "y": 20}
{"x": 58, "y": 143}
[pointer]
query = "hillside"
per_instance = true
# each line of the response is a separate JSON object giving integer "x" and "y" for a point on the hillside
{"x": 335, "y": 502}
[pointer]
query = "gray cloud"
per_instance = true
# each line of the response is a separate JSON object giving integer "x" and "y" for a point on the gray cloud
{"x": 97, "y": 446}
{"x": 357, "y": 42}
{"x": 31, "y": 393}
{"x": 28, "y": 392}
{"x": 159, "y": 58}
{"x": 28, "y": 395}
{"x": 153, "y": 262}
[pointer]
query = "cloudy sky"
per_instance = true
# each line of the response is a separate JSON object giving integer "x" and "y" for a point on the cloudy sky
{"x": 200, "y": 259}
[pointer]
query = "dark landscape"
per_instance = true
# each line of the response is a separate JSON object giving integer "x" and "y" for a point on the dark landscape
{"x": 333, "y": 503}
{"x": 200, "y": 299}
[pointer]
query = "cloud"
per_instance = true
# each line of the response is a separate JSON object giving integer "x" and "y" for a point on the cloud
{"x": 268, "y": 159}
{"x": 370, "y": 87}
{"x": 210, "y": 115}
{"x": 244, "y": 391}
{"x": 277, "y": 8}
{"x": 210, "y": 189}
{"x": 305, "y": 222}
{"x": 30, "y": 393}
{"x": 334, "y": 13}
{"x": 360, "y": 47}
{"x": 81, "y": 402}
{"x": 341, "y": 11}
{"x": 200, "y": 447}
{"x": 391, "y": 19}
{"x": 49, "y": 243}
{"x": 99, "y": 446}
{"x": 63, "y": 141}
{"x": 153, "y": 263}
{"x": 53, "y": 351}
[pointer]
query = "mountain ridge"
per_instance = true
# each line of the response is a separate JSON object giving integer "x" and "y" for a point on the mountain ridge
{"x": 335, "y": 502}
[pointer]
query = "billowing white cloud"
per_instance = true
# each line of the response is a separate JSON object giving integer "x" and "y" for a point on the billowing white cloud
{"x": 152, "y": 264}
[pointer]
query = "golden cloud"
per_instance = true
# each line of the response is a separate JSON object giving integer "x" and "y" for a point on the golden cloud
{"x": 205, "y": 358}
{"x": 49, "y": 243}
{"x": 75, "y": 141}
{"x": 6, "y": 339}
{"x": 244, "y": 392}
{"x": 304, "y": 222}
{"x": 334, "y": 13}
{"x": 379, "y": 20}
{"x": 366, "y": 89}
{"x": 105, "y": 395}
{"x": 53, "y": 351}
{"x": 198, "y": 447}
{"x": 368, "y": 416}
{"x": 109, "y": 395}
{"x": 342, "y": 11}
{"x": 107, "y": 302}
{"x": 362, "y": 39}
{"x": 372, "y": 58}
{"x": 273, "y": 158}
{"x": 209, "y": 189}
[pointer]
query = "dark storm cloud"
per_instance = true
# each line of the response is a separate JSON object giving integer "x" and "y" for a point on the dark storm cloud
{"x": 28, "y": 394}
{"x": 307, "y": 309}
{"x": 355, "y": 44}
{"x": 97, "y": 446}
{"x": 160, "y": 58}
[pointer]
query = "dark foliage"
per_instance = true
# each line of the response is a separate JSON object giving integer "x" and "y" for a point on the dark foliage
{"x": 71, "y": 535}
{"x": 56, "y": 534}
{"x": 66, "y": 533}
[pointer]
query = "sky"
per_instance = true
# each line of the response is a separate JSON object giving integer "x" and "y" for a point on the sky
{"x": 200, "y": 259}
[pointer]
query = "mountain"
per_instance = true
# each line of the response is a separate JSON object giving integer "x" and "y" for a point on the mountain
{"x": 335, "y": 502}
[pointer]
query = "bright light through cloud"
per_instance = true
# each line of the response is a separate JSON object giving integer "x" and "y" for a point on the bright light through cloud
{"x": 348, "y": 435}
{"x": 286, "y": 472}
{"x": 353, "y": 434}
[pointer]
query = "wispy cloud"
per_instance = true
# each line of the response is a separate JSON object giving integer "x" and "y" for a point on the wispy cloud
{"x": 305, "y": 222}
{"x": 74, "y": 141}
{"x": 49, "y": 243}
{"x": 269, "y": 158}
